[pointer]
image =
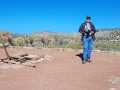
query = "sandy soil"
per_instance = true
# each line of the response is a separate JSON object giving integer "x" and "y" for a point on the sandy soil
{"x": 65, "y": 72}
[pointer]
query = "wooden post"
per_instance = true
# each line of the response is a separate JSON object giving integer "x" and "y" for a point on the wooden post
{"x": 6, "y": 52}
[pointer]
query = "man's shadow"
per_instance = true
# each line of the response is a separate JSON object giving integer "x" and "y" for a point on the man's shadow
{"x": 80, "y": 55}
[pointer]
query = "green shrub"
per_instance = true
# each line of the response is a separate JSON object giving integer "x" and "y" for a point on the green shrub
{"x": 107, "y": 46}
{"x": 19, "y": 41}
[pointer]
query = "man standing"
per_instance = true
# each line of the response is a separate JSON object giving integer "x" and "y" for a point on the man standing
{"x": 88, "y": 31}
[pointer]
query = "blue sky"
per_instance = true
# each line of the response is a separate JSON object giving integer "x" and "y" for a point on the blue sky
{"x": 27, "y": 16}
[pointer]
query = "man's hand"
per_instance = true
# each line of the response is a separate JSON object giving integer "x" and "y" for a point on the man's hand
{"x": 92, "y": 32}
{"x": 86, "y": 30}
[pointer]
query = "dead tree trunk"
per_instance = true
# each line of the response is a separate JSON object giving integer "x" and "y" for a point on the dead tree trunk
{"x": 6, "y": 52}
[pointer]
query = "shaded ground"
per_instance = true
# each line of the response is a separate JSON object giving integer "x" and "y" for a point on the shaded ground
{"x": 65, "y": 72}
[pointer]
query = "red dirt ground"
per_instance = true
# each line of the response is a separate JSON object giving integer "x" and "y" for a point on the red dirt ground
{"x": 65, "y": 72}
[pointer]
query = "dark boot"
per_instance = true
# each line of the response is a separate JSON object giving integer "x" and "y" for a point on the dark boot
{"x": 84, "y": 61}
{"x": 88, "y": 60}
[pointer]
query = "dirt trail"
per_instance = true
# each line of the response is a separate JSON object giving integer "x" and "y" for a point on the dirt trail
{"x": 65, "y": 72}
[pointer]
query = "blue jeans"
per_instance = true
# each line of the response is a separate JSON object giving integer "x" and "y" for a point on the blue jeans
{"x": 87, "y": 46}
